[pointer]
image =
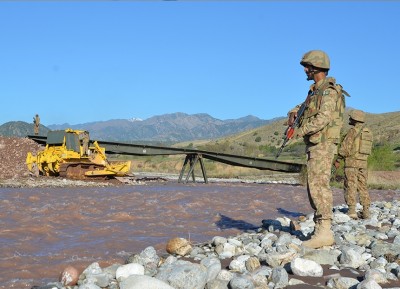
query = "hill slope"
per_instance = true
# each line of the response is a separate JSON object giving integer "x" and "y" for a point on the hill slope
{"x": 261, "y": 141}
{"x": 20, "y": 129}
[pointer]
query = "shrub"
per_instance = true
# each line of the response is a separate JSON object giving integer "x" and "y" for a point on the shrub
{"x": 382, "y": 158}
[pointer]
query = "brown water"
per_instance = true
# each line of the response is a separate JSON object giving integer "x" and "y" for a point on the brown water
{"x": 42, "y": 230}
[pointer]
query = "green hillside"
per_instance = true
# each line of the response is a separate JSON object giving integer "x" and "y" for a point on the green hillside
{"x": 385, "y": 127}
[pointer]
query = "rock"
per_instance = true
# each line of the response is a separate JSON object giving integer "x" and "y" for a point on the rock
{"x": 252, "y": 264}
{"x": 69, "y": 276}
{"x": 304, "y": 267}
{"x": 323, "y": 257}
{"x": 213, "y": 266}
{"x": 279, "y": 277}
{"x": 226, "y": 250}
{"x": 376, "y": 275}
{"x": 368, "y": 284}
{"x": 241, "y": 282}
{"x": 342, "y": 283}
{"x": 351, "y": 258}
{"x": 127, "y": 270}
{"x": 225, "y": 275}
{"x": 216, "y": 284}
{"x": 184, "y": 275}
{"x": 341, "y": 218}
{"x": 143, "y": 281}
{"x": 275, "y": 259}
{"x": 219, "y": 240}
{"x": 178, "y": 246}
{"x": 148, "y": 258}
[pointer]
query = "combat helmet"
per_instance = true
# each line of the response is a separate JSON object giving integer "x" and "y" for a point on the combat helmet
{"x": 316, "y": 58}
{"x": 357, "y": 115}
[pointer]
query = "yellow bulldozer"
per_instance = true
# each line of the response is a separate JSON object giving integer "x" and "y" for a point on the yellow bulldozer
{"x": 68, "y": 154}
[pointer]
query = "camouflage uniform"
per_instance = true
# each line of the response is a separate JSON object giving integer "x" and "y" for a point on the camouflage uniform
{"x": 36, "y": 122}
{"x": 320, "y": 127}
{"x": 355, "y": 168}
{"x": 322, "y": 121}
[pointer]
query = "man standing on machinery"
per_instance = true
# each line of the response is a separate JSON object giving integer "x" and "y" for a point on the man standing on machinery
{"x": 36, "y": 123}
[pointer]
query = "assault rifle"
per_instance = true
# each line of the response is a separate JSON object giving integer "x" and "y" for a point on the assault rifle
{"x": 289, "y": 132}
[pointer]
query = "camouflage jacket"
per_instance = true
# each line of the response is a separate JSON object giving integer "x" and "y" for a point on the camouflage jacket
{"x": 349, "y": 148}
{"x": 323, "y": 117}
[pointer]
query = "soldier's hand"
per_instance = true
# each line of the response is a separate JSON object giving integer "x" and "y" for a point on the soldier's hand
{"x": 292, "y": 117}
{"x": 337, "y": 164}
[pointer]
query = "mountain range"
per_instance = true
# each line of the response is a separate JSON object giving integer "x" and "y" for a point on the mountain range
{"x": 167, "y": 128}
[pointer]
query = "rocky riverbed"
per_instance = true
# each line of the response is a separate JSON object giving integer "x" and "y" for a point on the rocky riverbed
{"x": 366, "y": 256}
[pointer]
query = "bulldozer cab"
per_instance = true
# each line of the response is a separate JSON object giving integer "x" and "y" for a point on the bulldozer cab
{"x": 72, "y": 139}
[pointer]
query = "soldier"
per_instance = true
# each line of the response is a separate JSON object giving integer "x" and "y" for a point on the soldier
{"x": 320, "y": 129}
{"x": 355, "y": 149}
{"x": 84, "y": 136}
{"x": 36, "y": 123}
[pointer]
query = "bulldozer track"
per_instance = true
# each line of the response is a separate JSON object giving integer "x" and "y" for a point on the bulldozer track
{"x": 77, "y": 170}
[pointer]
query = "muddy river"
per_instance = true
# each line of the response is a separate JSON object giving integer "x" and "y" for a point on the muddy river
{"x": 42, "y": 230}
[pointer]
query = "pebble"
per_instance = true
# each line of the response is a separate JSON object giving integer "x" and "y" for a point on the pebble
{"x": 271, "y": 256}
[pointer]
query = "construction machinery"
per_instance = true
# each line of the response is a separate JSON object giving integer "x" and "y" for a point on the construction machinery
{"x": 69, "y": 153}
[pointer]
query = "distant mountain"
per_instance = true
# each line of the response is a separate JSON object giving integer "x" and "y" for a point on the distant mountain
{"x": 167, "y": 128}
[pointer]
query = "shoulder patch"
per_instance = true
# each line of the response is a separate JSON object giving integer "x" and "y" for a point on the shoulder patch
{"x": 326, "y": 92}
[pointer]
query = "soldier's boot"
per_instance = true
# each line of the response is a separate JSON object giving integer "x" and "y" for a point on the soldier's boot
{"x": 365, "y": 213}
{"x": 323, "y": 235}
{"x": 352, "y": 212}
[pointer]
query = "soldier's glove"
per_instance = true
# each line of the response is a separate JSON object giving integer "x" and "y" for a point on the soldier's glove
{"x": 291, "y": 117}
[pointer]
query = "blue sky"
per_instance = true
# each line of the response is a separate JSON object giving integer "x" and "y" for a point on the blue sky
{"x": 76, "y": 62}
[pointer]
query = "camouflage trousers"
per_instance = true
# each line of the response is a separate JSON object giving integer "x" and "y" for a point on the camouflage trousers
{"x": 319, "y": 165}
{"x": 355, "y": 182}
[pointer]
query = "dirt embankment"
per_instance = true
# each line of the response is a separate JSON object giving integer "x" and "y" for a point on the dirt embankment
{"x": 13, "y": 152}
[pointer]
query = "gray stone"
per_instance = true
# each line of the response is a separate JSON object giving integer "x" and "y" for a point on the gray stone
{"x": 340, "y": 218}
{"x": 213, "y": 266}
{"x": 351, "y": 258}
{"x": 102, "y": 279}
{"x": 381, "y": 248}
{"x": 184, "y": 275}
{"x": 368, "y": 284}
{"x": 225, "y": 275}
{"x": 93, "y": 268}
{"x": 323, "y": 257}
{"x": 216, "y": 284}
{"x": 111, "y": 270}
{"x": 342, "y": 283}
{"x": 219, "y": 240}
{"x": 304, "y": 267}
{"x": 143, "y": 281}
{"x": 127, "y": 270}
{"x": 279, "y": 259}
{"x": 280, "y": 277}
{"x": 377, "y": 275}
{"x": 241, "y": 282}
{"x": 239, "y": 264}
{"x": 89, "y": 286}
